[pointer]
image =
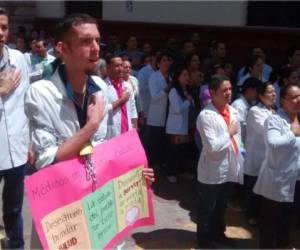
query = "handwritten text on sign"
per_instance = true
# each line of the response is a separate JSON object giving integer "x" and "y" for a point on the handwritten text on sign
{"x": 68, "y": 215}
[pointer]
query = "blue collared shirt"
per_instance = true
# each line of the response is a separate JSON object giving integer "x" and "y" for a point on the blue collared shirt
{"x": 91, "y": 88}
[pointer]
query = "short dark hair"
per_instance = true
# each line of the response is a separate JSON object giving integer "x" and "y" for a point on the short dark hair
{"x": 285, "y": 72}
{"x": 161, "y": 55}
{"x": 109, "y": 57}
{"x": 65, "y": 26}
{"x": 252, "y": 60}
{"x": 41, "y": 39}
{"x": 285, "y": 89}
{"x": 215, "y": 44}
{"x": 216, "y": 81}
{"x": 3, "y": 12}
{"x": 250, "y": 83}
{"x": 262, "y": 88}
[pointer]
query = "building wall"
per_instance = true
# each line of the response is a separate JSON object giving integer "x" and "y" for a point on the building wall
{"x": 50, "y": 9}
{"x": 224, "y": 13}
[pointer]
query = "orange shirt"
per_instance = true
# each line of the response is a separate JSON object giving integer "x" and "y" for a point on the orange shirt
{"x": 226, "y": 116}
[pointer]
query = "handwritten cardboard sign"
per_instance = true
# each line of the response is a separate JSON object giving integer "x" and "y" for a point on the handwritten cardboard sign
{"x": 68, "y": 215}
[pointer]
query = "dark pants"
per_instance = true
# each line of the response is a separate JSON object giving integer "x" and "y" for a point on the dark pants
{"x": 252, "y": 200}
{"x": 13, "y": 192}
{"x": 176, "y": 158}
{"x": 297, "y": 204}
{"x": 211, "y": 211}
{"x": 274, "y": 227}
{"x": 156, "y": 144}
{"x": 142, "y": 133}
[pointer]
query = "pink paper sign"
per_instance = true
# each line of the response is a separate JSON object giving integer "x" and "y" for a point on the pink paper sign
{"x": 68, "y": 214}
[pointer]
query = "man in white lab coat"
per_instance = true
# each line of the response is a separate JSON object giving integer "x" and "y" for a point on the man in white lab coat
{"x": 14, "y": 135}
{"x": 220, "y": 163}
{"x": 122, "y": 115}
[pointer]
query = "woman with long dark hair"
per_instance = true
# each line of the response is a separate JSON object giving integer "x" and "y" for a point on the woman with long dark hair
{"x": 196, "y": 76}
{"x": 177, "y": 127}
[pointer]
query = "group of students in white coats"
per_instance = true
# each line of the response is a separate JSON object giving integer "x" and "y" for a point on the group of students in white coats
{"x": 271, "y": 168}
{"x": 168, "y": 117}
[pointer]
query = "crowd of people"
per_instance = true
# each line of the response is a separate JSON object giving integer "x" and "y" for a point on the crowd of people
{"x": 242, "y": 126}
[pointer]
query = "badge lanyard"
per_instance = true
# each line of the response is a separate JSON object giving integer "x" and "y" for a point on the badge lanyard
{"x": 89, "y": 166}
{"x": 87, "y": 150}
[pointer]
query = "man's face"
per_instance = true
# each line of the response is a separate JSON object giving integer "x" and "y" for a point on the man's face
{"x": 295, "y": 60}
{"x": 132, "y": 43}
{"x": 112, "y": 40}
{"x": 195, "y": 38}
{"x": 188, "y": 48}
{"x": 20, "y": 45}
{"x": 3, "y": 30}
{"x": 33, "y": 46}
{"x": 252, "y": 94}
{"x": 81, "y": 49}
{"x": 164, "y": 64}
{"x": 221, "y": 50}
{"x": 40, "y": 49}
{"x": 126, "y": 68}
{"x": 223, "y": 94}
{"x": 115, "y": 68}
{"x": 147, "y": 48}
{"x": 259, "y": 52}
{"x": 257, "y": 68}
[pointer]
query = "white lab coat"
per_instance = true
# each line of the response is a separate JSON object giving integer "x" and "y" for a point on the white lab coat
{"x": 114, "y": 116}
{"x": 159, "y": 99}
{"x": 255, "y": 145}
{"x": 136, "y": 92}
{"x": 143, "y": 77}
{"x": 242, "y": 106}
{"x": 53, "y": 117}
{"x": 14, "y": 128}
{"x": 178, "y": 118}
{"x": 37, "y": 66}
{"x": 278, "y": 174}
{"x": 218, "y": 162}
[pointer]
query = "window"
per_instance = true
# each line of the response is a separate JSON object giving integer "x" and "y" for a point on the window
{"x": 274, "y": 13}
{"x": 93, "y": 8}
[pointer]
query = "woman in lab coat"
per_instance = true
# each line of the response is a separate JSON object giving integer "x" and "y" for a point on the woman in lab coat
{"x": 280, "y": 170}
{"x": 255, "y": 146}
{"x": 159, "y": 86}
{"x": 177, "y": 127}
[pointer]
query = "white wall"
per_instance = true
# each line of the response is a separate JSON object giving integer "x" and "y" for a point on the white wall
{"x": 224, "y": 13}
{"x": 55, "y": 9}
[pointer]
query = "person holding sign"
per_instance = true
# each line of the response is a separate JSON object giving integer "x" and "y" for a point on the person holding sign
{"x": 14, "y": 134}
{"x": 68, "y": 111}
